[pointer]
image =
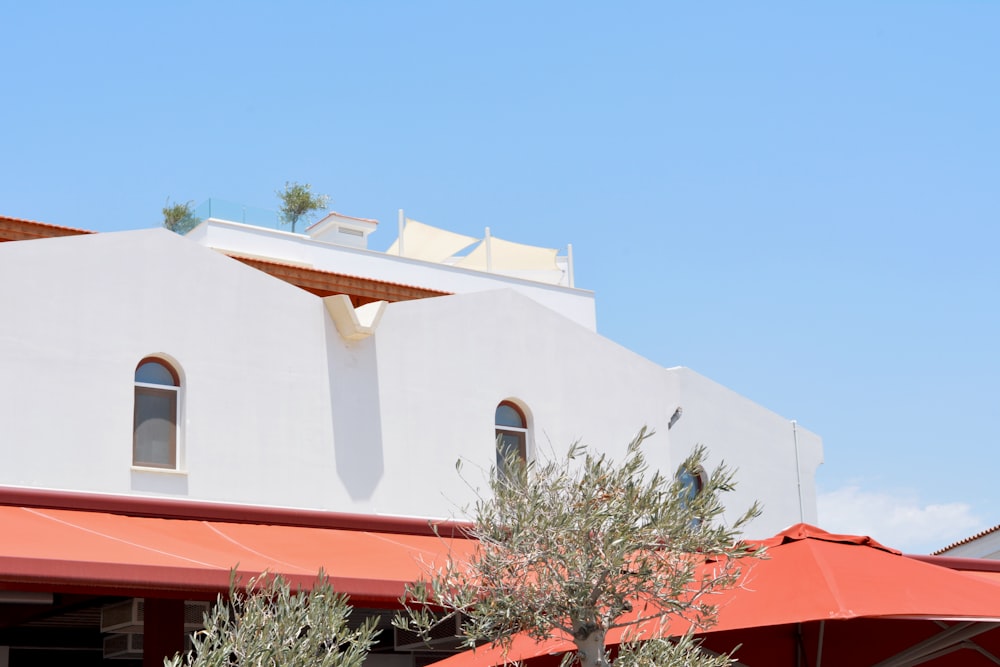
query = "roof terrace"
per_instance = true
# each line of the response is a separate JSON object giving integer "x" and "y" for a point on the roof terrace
{"x": 422, "y": 255}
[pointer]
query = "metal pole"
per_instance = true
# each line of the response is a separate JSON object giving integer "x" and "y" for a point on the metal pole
{"x": 489, "y": 251}
{"x": 798, "y": 469}
{"x": 402, "y": 225}
{"x": 819, "y": 649}
{"x": 569, "y": 264}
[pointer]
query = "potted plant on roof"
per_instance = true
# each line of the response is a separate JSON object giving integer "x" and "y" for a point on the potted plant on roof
{"x": 298, "y": 201}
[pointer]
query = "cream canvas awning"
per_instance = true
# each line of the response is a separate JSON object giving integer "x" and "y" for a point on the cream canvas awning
{"x": 510, "y": 256}
{"x": 429, "y": 243}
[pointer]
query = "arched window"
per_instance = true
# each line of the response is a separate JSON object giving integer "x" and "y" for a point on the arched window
{"x": 511, "y": 434}
{"x": 154, "y": 434}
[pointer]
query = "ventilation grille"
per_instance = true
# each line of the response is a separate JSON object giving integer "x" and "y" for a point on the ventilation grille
{"x": 129, "y": 647}
{"x": 122, "y": 647}
{"x": 194, "y": 614}
{"x": 128, "y": 617}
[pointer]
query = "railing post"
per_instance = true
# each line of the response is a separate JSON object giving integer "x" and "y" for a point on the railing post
{"x": 402, "y": 226}
{"x": 489, "y": 251}
{"x": 569, "y": 264}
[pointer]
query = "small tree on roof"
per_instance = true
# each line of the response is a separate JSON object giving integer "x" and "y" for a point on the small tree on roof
{"x": 267, "y": 624}
{"x": 578, "y": 547}
{"x": 298, "y": 201}
{"x": 179, "y": 217}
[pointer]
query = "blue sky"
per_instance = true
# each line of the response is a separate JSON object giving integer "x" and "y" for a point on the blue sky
{"x": 798, "y": 200}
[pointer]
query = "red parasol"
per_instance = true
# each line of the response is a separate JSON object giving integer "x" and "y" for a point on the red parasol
{"x": 835, "y": 599}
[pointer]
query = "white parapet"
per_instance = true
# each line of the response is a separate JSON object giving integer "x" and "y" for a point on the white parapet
{"x": 301, "y": 250}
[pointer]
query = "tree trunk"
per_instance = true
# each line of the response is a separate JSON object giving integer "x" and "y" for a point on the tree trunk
{"x": 591, "y": 649}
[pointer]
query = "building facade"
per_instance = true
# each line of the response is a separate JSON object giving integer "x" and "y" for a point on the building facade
{"x": 242, "y": 367}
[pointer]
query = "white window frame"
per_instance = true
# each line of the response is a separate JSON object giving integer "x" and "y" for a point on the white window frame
{"x": 524, "y": 432}
{"x": 163, "y": 389}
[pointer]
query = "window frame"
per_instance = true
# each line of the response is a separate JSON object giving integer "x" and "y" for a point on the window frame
{"x": 172, "y": 393}
{"x": 522, "y": 433}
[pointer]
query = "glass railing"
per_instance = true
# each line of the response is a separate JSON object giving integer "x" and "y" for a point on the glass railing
{"x": 221, "y": 209}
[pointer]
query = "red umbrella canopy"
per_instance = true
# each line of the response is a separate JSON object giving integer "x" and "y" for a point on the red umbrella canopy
{"x": 809, "y": 574}
{"x": 845, "y": 599}
{"x": 819, "y": 597}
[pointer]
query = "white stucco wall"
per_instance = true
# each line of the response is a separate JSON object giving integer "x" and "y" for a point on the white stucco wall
{"x": 81, "y": 313}
{"x": 445, "y": 363}
{"x": 279, "y": 410}
{"x": 775, "y": 460}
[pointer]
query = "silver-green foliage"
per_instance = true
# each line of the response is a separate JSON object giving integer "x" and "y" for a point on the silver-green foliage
{"x": 663, "y": 652}
{"x": 574, "y": 548}
{"x": 268, "y": 625}
{"x": 179, "y": 217}
{"x": 298, "y": 201}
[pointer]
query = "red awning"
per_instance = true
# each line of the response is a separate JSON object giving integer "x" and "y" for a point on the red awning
{"x": 64, "y": 549}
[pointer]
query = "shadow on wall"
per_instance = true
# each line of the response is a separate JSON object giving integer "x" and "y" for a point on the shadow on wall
{"x": 355, "y": 409}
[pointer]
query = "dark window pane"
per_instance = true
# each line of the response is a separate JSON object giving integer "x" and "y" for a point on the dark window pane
{"x": 507, "y": 415}
{"x": 155, "y": 440}
{"x": 509, "y": 444}
{"x": 691, "y": 485}
{"x": 153, "y": 372}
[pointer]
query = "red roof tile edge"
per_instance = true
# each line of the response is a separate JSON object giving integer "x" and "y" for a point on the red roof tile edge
{"x": 274, "y": 262}
{"x": 10, "y": 218}
{"x": 971, "y": 538}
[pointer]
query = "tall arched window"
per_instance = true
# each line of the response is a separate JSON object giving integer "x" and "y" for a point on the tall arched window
{"x": 154, "y": 435}
{"x": 511, "y": 433}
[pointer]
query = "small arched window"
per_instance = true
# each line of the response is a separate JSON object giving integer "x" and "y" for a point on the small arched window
{"x": 691, "y": 482}
{"x": 511, "y": 434}
{"x": 157, "y": 401}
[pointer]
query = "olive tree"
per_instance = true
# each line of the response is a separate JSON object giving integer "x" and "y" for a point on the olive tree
{"x": 179, "y": 217}
{"x": 268, "y": 625}
{"x": 575, "y": 548}
{"x": 298, "y": 201}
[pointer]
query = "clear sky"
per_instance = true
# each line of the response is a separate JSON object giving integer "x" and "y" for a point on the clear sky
{"x": 799, "y": 200}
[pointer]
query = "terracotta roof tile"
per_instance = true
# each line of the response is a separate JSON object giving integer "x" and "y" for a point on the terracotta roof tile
{"x": 20, "y": 229}
{"x": 381, "y": 289}
{"x": 967, "y": 540}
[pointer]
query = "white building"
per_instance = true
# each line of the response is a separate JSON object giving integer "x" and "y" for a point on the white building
{"x": 226, "y": 368}
{"x": 984, "y": 544}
